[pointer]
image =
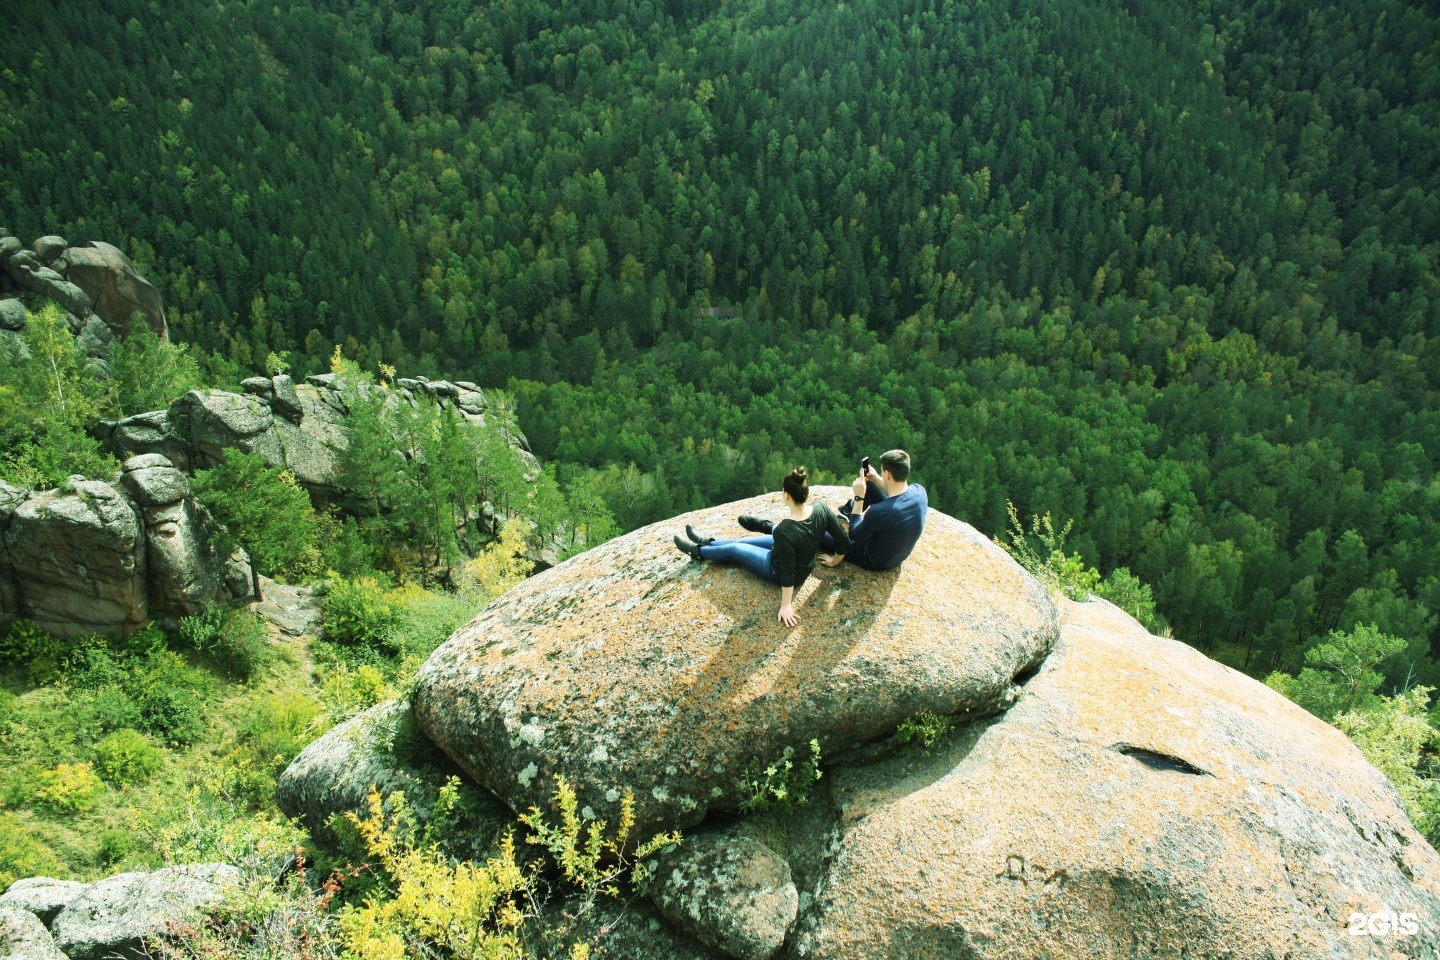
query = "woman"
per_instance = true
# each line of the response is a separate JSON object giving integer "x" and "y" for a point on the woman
{"x": 786, "y": 556}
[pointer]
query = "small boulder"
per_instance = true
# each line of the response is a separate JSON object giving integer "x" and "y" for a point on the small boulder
{"x": 629, "y": 666}
{"x": 378, "y": 750}
{"x": 117, "y": 915}
{"x": 152, "y": 481}
{"x": 287, "y": 401}
{"x": 24, "y": 937}
{"x": 729, "y": 890}
{"x": 9, "y": 246}
{"x": 146, "y": 433}
{"x": 471, "y": 401}
{"x": 12, "y": 315}
{"x": 49, "y": 249}
{"x": 109, "y": 280}
{"x": 42, "y": 896}
{"x": 258, "y": 386}
{"x": 325, "y": 381}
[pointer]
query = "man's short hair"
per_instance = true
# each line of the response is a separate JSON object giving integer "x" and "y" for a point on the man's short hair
{"x": 897, "y": 462}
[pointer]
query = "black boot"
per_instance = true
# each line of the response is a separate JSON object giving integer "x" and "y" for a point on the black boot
{"x": 755, "y": 524}
{"x": 691, "y": 550}
{"x": 700, "y": 540}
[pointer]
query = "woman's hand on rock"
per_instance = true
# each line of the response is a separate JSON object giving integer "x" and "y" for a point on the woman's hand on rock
{"x": 787, "y": 616}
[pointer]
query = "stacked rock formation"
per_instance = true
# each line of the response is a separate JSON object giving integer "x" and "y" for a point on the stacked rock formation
{"x": 94, "y": 283}
{"x": 1130, "y": 797}
{"x": 95, "y": 557}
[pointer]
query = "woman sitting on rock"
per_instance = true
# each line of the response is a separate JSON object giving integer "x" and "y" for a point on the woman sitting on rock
{"x": 786, "y": 556}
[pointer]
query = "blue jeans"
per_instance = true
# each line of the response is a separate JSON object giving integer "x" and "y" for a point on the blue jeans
{"x": 755, "y": 554}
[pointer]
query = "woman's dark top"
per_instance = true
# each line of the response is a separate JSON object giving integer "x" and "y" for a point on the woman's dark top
{"x": 798, "y": 541}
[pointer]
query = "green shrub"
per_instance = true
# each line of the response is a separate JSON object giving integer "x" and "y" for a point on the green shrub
{"x": 25, "y": 644}
{"x": 358, "y": 613}
{"x": 170, "y": 696}
{"x": 23, "y": 853}
{"x": 1059, "y": 571}
{"x": 785, "y": 783}
{"x": 127, "y": 756}
{"x": 922, "y": 731}
{"x": 348, "y": 691}
{"x": 237, "y": 639}
{"x": 69, "y": 788}
{"x": 115, "y": 846}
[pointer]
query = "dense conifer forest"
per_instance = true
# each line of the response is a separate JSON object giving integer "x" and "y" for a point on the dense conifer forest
{"x": 1167, "y": 269}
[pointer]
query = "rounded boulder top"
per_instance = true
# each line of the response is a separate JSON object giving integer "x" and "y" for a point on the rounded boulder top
{"x": 633, "y": 668}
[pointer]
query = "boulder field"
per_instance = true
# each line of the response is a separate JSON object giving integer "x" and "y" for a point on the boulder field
{"x": 1106, "y": 793}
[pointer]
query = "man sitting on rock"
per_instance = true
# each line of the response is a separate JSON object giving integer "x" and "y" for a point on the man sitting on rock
{"x": 886, "y": 516}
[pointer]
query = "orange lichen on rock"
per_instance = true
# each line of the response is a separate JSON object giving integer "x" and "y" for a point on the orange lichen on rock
{"x": 1139, "y": 799}
{"x": 633, "y": 666}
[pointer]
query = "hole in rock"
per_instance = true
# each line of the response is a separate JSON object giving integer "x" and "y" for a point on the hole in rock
{"x": 1026, "y": 675}
{"x": 1159, "y": 761}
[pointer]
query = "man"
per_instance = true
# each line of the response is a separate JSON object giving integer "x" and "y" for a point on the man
{"x": 886, "y": 517}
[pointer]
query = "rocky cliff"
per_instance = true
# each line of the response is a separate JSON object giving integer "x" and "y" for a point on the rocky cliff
{"x": 1106, "y": 793}
{"x": 95, "y": 557}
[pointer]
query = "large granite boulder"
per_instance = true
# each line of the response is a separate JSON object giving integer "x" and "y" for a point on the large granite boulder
{"x": 1140, "y": 800}
{"x": 119, "y": 293}
{"x": 24, "y": 937}
{"x": 630, "y": 666}
{"x": 9, "y": 246}
{"x": 115, "y": 916}
{"x": 49, "y": 249}
{"x": 147, "y": 433}
{"x": 78, "y": 560}
{"x": 377, "y": 750}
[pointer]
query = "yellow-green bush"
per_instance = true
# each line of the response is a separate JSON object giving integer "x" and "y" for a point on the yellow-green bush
{"x": 69, "y": 788}
{"x": 23, "y": 853}
{"x": 127, "y": 756}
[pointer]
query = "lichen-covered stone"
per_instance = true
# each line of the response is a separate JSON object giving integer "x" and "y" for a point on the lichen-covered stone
{"x": 78, "y": 560}
{"x": 1140, "y": 800}
{"x": 377, "y": 750}
{"x": 24, "y": 937}
{"x": 115, "y": 916}
{"x": 152, "y": 481}
{"x": 32, "y": 276}
{"x": 729, "y": 890}
{"x": 42, "y": 896}
{"x": 49, "y": 249}
{"x": 286, "y": 402}
{"x": 213, "y": 421}
{"x": 629, "y": 666}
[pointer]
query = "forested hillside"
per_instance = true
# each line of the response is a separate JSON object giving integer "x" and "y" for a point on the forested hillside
{"x": 1168, "y": 269}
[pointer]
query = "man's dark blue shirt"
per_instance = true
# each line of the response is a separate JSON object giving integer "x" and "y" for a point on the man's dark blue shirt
{"x": 884, "y": 536}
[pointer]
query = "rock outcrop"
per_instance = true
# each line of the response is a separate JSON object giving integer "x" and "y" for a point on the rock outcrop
{"x": 115, "y": 916}
{"x": 296, "y": 427}
{"x": 1139, "y": 800}
{"x": 98, "y": 557}
{"x": 630, "y": 667}
{"x": 43, "y": 896}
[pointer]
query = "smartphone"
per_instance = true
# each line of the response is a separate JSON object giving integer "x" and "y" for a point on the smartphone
{"x": 864, "y": 466}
